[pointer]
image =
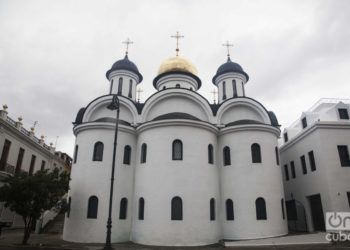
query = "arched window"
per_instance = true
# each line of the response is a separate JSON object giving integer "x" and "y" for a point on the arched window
{"x": 141, "y": 208}
{"x": 212, "y": 209}
{"x": 243, "y": 89}
{"x": 75, "y": 154}
{"x": 143, "y": 152}
{"x": 177, "y": 150}
{"x": 98, "y": 151}
{"x": 164, "y": 87}
{"x": 176, "y": 208}
{"x": 123, "y": 208}
{"x": 234, "y": 88}
{"x": 229, "y": 210}
{"x": 127, "y": 155}
{"x": 227, "y": 156}
{"x": 92, "y": 207}
{"x": 210, "y": 154}
{"x": 111, "y": 88}
{"x": 177, "y": 85}
{"x": 260, "y": 209}
{"x": 224, "y": 90}
{"x": 277, "y": 156}
{"x": 282, "y": 207}
{"x": 120, "y": 86}
{"x": 256, "y": 153}
{"x": 130, "y": 89}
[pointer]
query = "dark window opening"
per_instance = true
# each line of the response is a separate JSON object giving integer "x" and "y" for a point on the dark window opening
{"x": 256, "y": 153}
{"x": 177, "y": 150}
{"x": 260, "y": 209}
{"x": 282, "y": 207}
{"x": 120, "y": 86}
{"x": 234, "y": 88}
{"x": 304, "y": 122}
{"x": 212, "y": 209}
{"x": 303, "y": 164}
{"x": 277, "y": 156}
{"x": 286, "y": 172}
{"x": 69, "y": 206}
{"x": 127, "y": 155}
{"x": 143, "y": 152}
{"x": 123, "y": 208}
{"x": 177, "y": 85}
{"x": 32, "y": 165}
{"x": 348, "y": 193}
{"x": 75, "y": 154}
{"x": 19, "y": 160}
{"x": 5, "y": 154}
{"x": 292, "y": 168}
{"x": 42, "y": 167}
{"x": 176, "y": 208}
{"x": 343, "y": 114}
{"x": 210, "y": 154}
{"x": 312, "y": 160}
{"x": 223, "y": 90}
{"x": 130, "y": 89}
{"x": 164, "y": 87}
{"x": 285, "y": 135}
{"x": 141, "y": 208}
{"x": 92, "y": 207}
{"x": 291, "y": 210}
{"x": 227, "y": 156}
{"x": 229, "y": 210}
{"x": 98, "y": 151}
{"x": 344, "y": 155}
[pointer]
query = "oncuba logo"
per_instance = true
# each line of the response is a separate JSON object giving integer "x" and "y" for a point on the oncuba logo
{"x": 338, "y": 221}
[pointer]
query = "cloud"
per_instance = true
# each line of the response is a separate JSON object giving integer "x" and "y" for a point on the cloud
{"x": 54, "y": 54}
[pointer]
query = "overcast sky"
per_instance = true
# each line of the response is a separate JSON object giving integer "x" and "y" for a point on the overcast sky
{"x": 54, "y": 54}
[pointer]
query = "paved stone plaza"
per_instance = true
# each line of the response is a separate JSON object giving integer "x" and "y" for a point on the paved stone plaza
{"x": 10, "y": 240}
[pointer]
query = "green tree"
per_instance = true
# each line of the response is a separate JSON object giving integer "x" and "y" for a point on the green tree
{"x": 30, "y": 196}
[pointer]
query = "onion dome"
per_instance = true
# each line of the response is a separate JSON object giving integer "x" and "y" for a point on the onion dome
{"x": 125, "y": 64}
{"x": 177, "y": 65}
{"x": 229, "y": 67}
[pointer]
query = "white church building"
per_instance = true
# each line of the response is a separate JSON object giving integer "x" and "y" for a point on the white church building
{"x": 188, "y": 172}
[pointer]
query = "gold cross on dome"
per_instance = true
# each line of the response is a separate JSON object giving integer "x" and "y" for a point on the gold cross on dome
{"x": 127, "y": 42}
{"x": 214, "y": 92}
{"x": 228, "y": 45}
{"x": 139, "y": 91}
{"x": 177, "y": 37}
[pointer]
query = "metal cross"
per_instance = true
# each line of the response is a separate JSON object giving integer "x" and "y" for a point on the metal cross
{"x": 127, "y": 42}
{"x": 228, "y": 45}
{"x": 177, "y": 37}
{"x": 139, "y": 91}
{"x": 214, "y": 92}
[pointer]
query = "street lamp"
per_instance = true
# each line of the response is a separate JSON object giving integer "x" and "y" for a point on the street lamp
{"x": 114, "y": 105}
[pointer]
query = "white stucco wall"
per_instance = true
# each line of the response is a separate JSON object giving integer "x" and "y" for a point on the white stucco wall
{"x": 161, "y": 178}
{"x": 244, "y": 182}
{"x": 330, "y": 180}
{"x": 93, "y": 178}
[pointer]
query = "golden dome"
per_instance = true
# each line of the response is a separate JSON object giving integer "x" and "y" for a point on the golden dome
{"x": 177, "y": 63}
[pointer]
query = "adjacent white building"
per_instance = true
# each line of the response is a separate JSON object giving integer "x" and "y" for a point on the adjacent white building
{"x": 187, "y": 172}
{"x": 316, "y": 164}
{"x": 21, "y": 151}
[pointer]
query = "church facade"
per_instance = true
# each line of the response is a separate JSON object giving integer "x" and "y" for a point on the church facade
{"x": 187, "y": 172}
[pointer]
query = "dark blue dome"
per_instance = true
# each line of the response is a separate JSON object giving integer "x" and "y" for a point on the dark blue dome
{"x": 125, "y": 64}
{"x": 228, "y": 67}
